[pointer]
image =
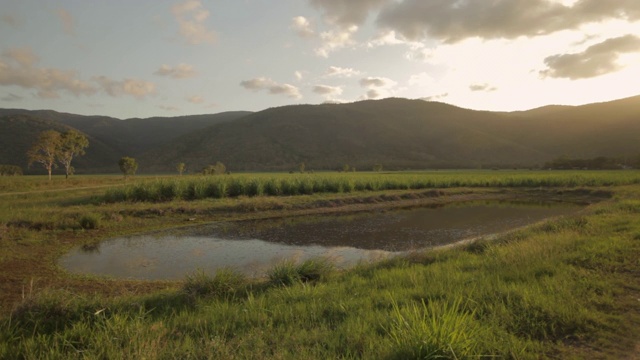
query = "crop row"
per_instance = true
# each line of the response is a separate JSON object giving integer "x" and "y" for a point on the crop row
{"x": 217, "y": 187}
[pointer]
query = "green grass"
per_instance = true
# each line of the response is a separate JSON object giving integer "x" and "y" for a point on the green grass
{"x": 566, "y": 288}
{"x": 218, "y": 187}
{"x": 531, "y": 294}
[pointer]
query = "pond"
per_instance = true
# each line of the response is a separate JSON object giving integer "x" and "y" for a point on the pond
{"x": 253, "y": 247}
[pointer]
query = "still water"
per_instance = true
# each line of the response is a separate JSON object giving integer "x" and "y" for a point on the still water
{"x": 252, "y": 247}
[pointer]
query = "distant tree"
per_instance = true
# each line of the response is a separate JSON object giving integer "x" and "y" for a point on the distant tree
{"x": 128, "y": 166}
{"x": 72, "y": 144}
{"x": 10, "y": 170}
{"x": 345, "y": 167}
{"x": 217, "y": 169}
{"x": 301, "y": 167}
{"x": 377, "y": 167}
{"x": 45, "y": 150}
{"x": 181, "y": 168}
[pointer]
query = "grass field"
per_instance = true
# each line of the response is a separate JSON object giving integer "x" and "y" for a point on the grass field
{"x": 566, "y": 288}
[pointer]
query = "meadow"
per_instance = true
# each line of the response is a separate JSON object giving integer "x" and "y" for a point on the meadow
{"x": 564, "y": 288}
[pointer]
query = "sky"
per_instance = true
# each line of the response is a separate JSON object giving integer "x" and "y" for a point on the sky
{"x": 148, "y": 58}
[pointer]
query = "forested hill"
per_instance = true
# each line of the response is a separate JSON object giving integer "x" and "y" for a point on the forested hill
{"x": 396, "y": 133}
{"x": 109, "y": 138}
{"x": 402, "y": 134}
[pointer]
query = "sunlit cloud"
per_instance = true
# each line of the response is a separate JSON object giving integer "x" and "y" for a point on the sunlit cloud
{"x": 18, "y": 68}
{"x": 133, "y": 87}
{"x": 378, "y": 87}
{"x": 181, "y": 71}
{"x": 341, "y": 72}
{"x": 272, "y": 87}
{"x": 302, "y": 27}
{"x": 168, "y": 108}
{"x": 192, "y": 17}
{"x": 328, "y": 92}
{"x": 347, "y": 13}
{"x": 336, "y": 39}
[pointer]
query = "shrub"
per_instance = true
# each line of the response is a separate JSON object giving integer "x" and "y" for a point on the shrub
{"x": 90, "y": 221}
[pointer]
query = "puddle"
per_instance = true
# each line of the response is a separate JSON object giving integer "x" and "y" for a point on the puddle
{"x": 253, "y": 247}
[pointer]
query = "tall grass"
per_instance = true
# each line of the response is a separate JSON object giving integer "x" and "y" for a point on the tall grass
{"x": 217, "y": 187}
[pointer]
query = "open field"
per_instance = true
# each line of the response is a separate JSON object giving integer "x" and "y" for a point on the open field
{"x": 566, "y": 288}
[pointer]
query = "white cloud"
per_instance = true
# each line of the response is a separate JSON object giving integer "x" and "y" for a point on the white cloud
{"x": 181, "y": 71}
{"x": 335, "y": 39}
{"x": 302, "y": 27}
{"x": 341, "y": 72}
{"x": 299, "y": 75}
{"x": 272, "y": 87}
{"x": 191, "y": 17}
{"x": 18, "y": 68}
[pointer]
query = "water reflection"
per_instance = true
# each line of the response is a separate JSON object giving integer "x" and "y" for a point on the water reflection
{"x": 252, "y": 247}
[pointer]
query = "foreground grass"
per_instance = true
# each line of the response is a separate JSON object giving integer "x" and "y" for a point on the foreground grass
{"x": 567, "y": 288}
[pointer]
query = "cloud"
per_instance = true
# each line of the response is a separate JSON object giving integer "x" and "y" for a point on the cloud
{"x": 134, "y": 87}
{"x": 302, "y": 27}
{"x": 596, "y": 60}
{"x": 196, "y": 99}
{"x": 327, "y": 91}
{"x": 272, "y": 87}
{"x": 68, "y": 22}
{"x": 435, "y": 97}
{"x": 453, "y": 21}
{"x": 482, "y": 87}
{"x": 341, "y": 72}
{"x": 335, "y": 39}
{"x": 347, "y": 13}
{"x": 377, "y": 87}
{"x": 299, "y": 75}
{"x": 191, "y": 17}
{"x": 181, "y": 71}
{"x": 17, "y": 67}
{"x": 373, "y": 82}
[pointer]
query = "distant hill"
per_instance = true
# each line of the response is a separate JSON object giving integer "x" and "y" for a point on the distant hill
{"x": 401, "y": 133}
{"x": 397, "y": 133}
{"x": 109, "y": 138}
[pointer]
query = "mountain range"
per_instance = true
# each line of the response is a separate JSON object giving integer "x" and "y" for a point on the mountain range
{"x": 396, "y": 133}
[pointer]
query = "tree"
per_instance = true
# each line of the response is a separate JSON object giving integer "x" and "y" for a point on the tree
{"x": 377, "y": 167}
{"x": 345, "y": 167}
{"x": 128, "y": 166}
{"x": 72, "y": 144}
{"x": 181, "y": 168}
{"x": 45, "y": 150}
{"x": 301, "y": 167}
{"x": 218, "y": 168}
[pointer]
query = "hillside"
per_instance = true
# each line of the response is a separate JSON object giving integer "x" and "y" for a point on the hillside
{"x": 400, "y": 133}
{"x": 109, "y": 138}
{"x": 397, "y": 133}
